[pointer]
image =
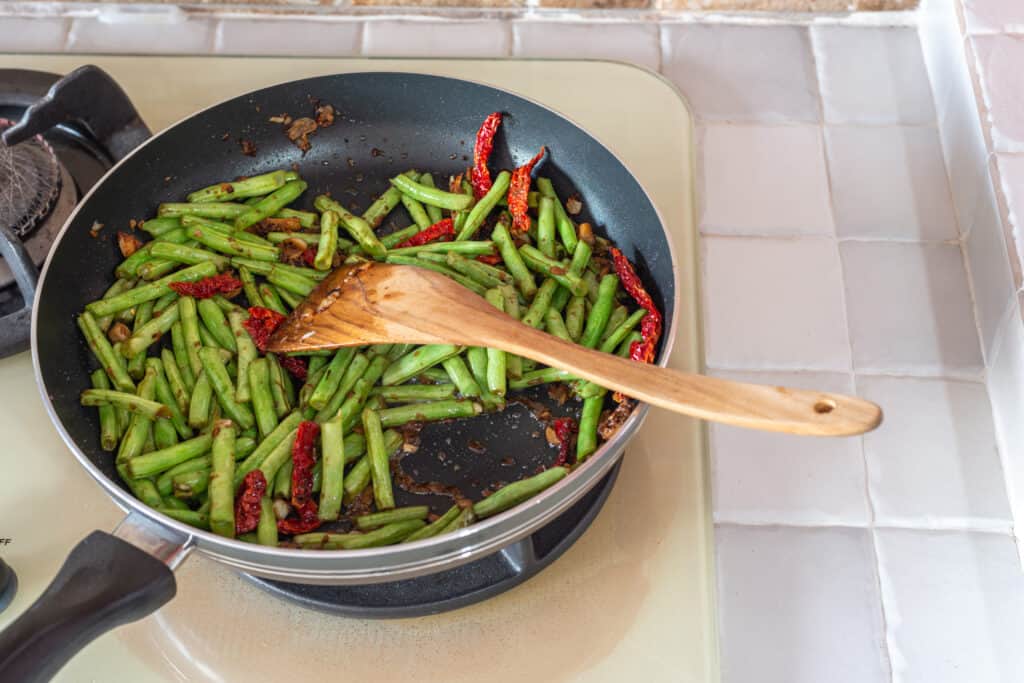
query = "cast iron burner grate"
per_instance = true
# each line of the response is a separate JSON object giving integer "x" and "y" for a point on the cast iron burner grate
{"x": 458, "y": 587}
{"x": 30, "y": 183}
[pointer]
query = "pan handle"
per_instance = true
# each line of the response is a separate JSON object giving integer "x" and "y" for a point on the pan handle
{"x": 107, "y": 580}
{"x": 14, "y": 327}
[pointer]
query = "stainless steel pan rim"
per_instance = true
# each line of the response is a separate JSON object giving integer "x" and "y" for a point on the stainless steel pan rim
{"x": 389, "y": 562}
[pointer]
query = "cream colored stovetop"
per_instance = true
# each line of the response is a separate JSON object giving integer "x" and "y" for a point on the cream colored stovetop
{"x": 631, "y": 600}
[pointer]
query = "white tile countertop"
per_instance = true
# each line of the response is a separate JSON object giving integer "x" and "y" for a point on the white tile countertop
{"x": 846, "y": 246}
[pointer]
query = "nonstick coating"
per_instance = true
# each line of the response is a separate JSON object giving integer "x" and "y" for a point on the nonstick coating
{"x": 386, "y": 123}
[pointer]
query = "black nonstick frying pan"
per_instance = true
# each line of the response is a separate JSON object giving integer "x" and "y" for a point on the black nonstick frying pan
{"x": 386, "y": 123}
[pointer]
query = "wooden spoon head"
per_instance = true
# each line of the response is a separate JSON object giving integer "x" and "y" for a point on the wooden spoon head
{"x": 381, "y": 303}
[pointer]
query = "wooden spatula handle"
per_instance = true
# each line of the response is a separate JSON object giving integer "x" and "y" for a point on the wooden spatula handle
{"x": 771, "y": 408}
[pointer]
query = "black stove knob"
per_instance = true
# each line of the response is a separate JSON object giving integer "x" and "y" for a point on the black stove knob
{"x": 8, "y": 584}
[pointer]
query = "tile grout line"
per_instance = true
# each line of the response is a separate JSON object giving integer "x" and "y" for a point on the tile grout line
{"x": 887, "y": 646}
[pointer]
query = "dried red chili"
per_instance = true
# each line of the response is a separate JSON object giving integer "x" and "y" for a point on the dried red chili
{"x": 519, "y": 194}
{"x": 306, "y": 519}
{"x": 260, "y": 324}
{"x": 296, "y": 367}
{"x": 442, "y": 230}
{"x": 302, "y": 463}
{"x": 565, "y": 428}
{"x": 489, "y": 259}
{"x": 224, "y": 283}
{"x": 650, "y": 325}
{"x": 480, "y": 176}
{"x": 309, "y": 255}
{"x": 247, "y": 502}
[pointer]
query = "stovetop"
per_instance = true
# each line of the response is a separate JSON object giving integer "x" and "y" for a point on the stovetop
{"x": 634, "y": 591}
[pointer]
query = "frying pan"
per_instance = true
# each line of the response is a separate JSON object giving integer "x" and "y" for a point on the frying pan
{"x": 386, "y": 123}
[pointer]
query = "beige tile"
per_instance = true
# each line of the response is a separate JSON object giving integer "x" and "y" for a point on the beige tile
{"x": 172, "y": 33}
{"x": 288, "y": 37}
{"x": 440, "y": 3}
{"x": 33, "y": 34}
{"x": 430, "y": 38}
{"x": 635, "y": 42}
{"x": 999, "y": 59}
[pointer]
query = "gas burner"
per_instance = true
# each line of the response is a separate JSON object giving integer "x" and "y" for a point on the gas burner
{"x": 30, "y": 183}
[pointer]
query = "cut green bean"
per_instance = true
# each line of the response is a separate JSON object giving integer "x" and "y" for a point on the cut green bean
{"x": 193, "y": 518}
{"x": 158, "y": 461}
{"x": 266, "y": 528}
{"x": 535, "y": 314}
{"x": 416, "y": 361}
{"x": 227, "y": 210}
{"x": 474, "y": 248}
{"x": 546, "y": 227}
{"x": 277, "y": 457}
{"x": 109, "y": 433}
{"x": 477, "y": 357}
{"x": 331, "y": 378}
{"x": 119, "y": 287}
{"x": 201, "y": 403}
{"x": 461, "y": 378}
{"x": 275, "y": 438}
{"x": 332, "y": 450}
{"x": 575, "y": 312}
{"x": 153, "y": 290}
{"x": 162, "y": 224}
{"x": 432, "y": 411}
{"x": 556, "y": 326}
{"x": 222, "y": 387}
{"x": 352, "y": 408}
{"x": 566, "y": 229}
{"x": 149, "y": 333}
{"x": 406, "y": 393}
{"x": 382, "y": 206}
{"x": 421, "y": 263}
{"x": 431, "y": 195}
{"x": 358, "y": 228}
{"x": 465, "y": 517}
{"x": 271, "y": 204}
{"x": 512, "y": 494}
{"x": 549, "y": 267}
{"x": 271, "y": 299}
{"x": 586, "y": 440}
{"x": 137, "y": 364}
{"x": 496, "y": 368}
{"x": 180, "y": 253}
{"x": 541, "y": 376}
{"x": 130, "y": 402}
{"x": 165, "y": 395}
{"x": 216, "y": 323}
{"x": 481, "y": 273}
{"x": 165, "y": 482}
{"x": 253, "y": 186}
{"x": 380, "y": 472}
{"x": 612, "y": 340}
{"x": 433, "y": 212}
{"x": 356, "y": 367}
{"x": 375, "y": 520}
{"x": 599, "y": 314}
{"x": 484, "y": 206}
{"x": 181, "y": 354}
{"x": 232, "y": 245}
{"x": 328, "y": 243}
{"x": 112, "y": 363}
{"x": 191, "y": 484}
{"x": 416, "y": 212}
{"x": 262, "y": 398}
{"x": 435, "y": 527}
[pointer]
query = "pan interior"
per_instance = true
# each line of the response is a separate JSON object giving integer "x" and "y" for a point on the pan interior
{"x": 386, "y": 123}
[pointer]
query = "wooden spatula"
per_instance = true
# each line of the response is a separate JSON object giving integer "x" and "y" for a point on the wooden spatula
{"x": 380, "y": 303}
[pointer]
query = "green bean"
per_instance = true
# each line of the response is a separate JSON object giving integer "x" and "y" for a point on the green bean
{"x": 266, "y": 528}
{"x": 405, "y": 393}
{"x": 332, "y": 457}
{"x": 359, "y": 229}
{"x": 328, "y": 244}
{"x": 465, "y": 517}
{"x": 496, "y": 380}
{"x": 199, "y": 407}
{"x": 574, "y": 314}
{"x": 599, "y": 314}
{"x": 513, "y": 261}
{"x": 615, "y": 336}
{"x": 277, "y": 457}
{"x": 149, "y": 333}
{"x": 161, "y": 225}
{"x": 592, "y": 285}
{"x": 247, "y": 353}
{"x": 427, "y": 180}
{"x": 534, "y": 315}
{"x": 431, "y": 195}
{"x": 266, "y": 269}
{"x": 119, "y": 287}
{"x": 153, "y": 290}
{"x": 282, "y": 484}
{"x": 139, "y": 429}
{"x": 204, "y": 210}
{"x": 158, "y": 461}
{"x": 129, "y": 268}
{"x": 224, "y": 233}
{"x": 556, "y": 326}
{"x": 271, "y": 299}
{"x": 113, "y": 363}
{"x": 374, "y": 520}
{"x": 355, "y": 369}
{"x": 484, "y": 206}
{"x": 416, "y": 212}
{"x": 271, "y": 204}
{"x": 399, "y": 236}
{"x": 165, "y": 482}
{"x": 222, "y": 387}
{"x": 353, "y": 405}
{"x": 477, "y": 357}
{"x": 262, "y": 399}
{"x": 552, "y": 268}
{"x": 566, "y": 229}
{"x": 461, "y": 377}
{"x": 165, "y": 395}
{"x": 420, "y": 263}
{"x": 307, "y": 219}
{"x": 109, "y": 433}
{"x": 435, "y": 527}
{"x": 244, "y": 444}
{"x": 216, "y": 323}
{"x": 586, "y": 441}
{"x": 179, "y": 253}
{"x": 416, "y": 361}
{"x": 122, "y": 399}
{"x": 281, "y": 388}
{"x": 289, "y": 282}
{"x": 331, "y": 378}
{"x": 193, "y": 518}
{"x": 267, "y": 446}
{"x": 253, "y": 186}
{"x": 541, "y": 376}
{"x": 481, "y": 273}
{"x": 382, "y": 206}
{"x": 546, "y": 227}
{"x": 386, "y": 535}
{"x": 474, "y": 248}
{"x": 210, "y": 341}
{"x": 137, "y": 364}
{"x": 291, "y": 300}
{"x": 627, "y": 343}
{"x": 169, "y": 501}
{"x": 428, "y": 412}
{"x": 181, "y": 354}
{"x": 191, "y": 484}
{"x": 233, "y": 245}
{"x": 252, "y": 292}
{"x": 618, "y": 316}
{"x": 155, "y": 268}
{"x": 515, "y": 493}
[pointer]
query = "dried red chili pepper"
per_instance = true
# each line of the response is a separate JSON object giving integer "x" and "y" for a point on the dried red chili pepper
{"x": 302, "y": 463}
{"x": 260, "y": 324}
{"x": 480, "y": 176}
{"x": 247, "y": 502}
{"x": 519, "y": 194}
{"x": 650, "y": 325}
{"x": 442, "y": 230}
{"x": 306, "y": 520}
{"x": 489, "y": 259}
{"x": 224, "y": 283}
{"x": 309, "y": 255}
{"x": 565, "y": 428}
{"x": 296, "y": 367}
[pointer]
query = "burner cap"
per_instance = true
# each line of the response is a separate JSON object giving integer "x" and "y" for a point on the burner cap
{"x": 30, "y": 182}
